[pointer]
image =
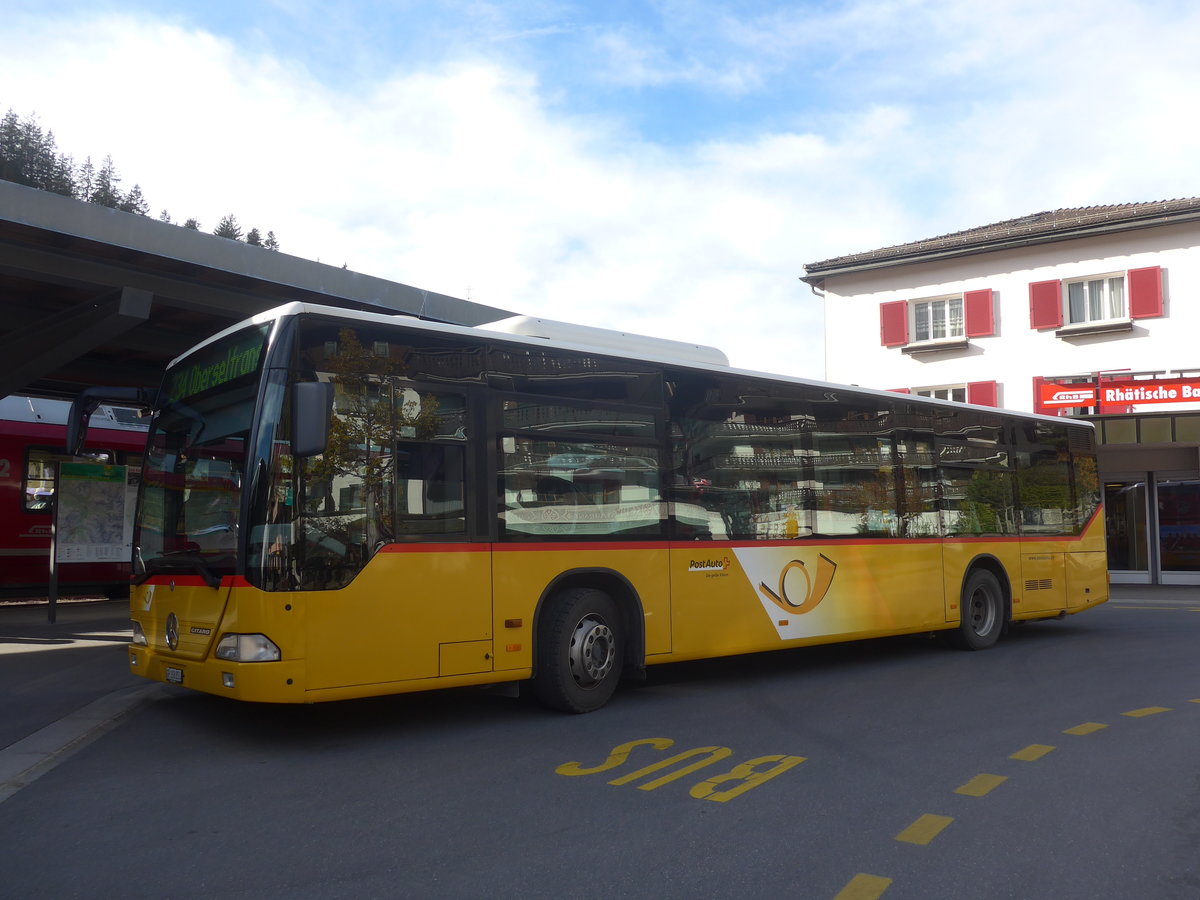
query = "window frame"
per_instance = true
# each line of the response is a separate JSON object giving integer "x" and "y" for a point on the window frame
{"x": 948, "y": 338}
{"x": 1090, "y": 321}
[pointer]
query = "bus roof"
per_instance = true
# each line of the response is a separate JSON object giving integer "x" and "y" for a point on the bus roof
{"x": 536, "y": 332}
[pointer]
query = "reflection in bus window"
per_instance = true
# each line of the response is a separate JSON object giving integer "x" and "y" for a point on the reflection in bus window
{"x": 557, "y": 489}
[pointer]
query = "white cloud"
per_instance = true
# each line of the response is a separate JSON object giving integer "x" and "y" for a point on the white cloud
{"x": 473, "y": 176}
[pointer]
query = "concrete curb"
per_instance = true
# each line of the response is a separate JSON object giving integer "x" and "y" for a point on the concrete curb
{"x": 29, "y": 758}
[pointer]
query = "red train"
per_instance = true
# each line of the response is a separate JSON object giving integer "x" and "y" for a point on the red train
{"x": 32, "y": 439}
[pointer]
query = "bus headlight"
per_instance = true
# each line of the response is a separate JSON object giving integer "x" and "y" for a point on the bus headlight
{"x": 247, "y": 648}
{"x": 139, "y": 636}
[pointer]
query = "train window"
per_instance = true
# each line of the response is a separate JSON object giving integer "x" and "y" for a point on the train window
{"x": 38, "y": 486}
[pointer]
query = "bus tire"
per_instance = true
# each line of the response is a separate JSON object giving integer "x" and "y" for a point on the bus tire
{"x": 579, "y": 653}
{"x": 983, "y": 611}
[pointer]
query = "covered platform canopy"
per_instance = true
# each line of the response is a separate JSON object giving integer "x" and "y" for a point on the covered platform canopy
{"x": 92, "y": 296}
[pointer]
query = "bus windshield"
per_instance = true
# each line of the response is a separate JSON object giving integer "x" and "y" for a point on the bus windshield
{"x": 190, "y": 499}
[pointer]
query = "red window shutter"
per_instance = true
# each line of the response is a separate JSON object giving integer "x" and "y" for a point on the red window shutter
{"x": 983, "y": 393}
{"x": 893, "y": 323}
{"x": 977, "y": 308}
{"x": 1038, "y": 407}
{"x": 1045, "y": 304}
{"x": 1145, "y": 293}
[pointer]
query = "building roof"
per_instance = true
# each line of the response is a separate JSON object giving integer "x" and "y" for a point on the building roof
{"x": 1042, "y": 227}
{"x": 91, "y": 296}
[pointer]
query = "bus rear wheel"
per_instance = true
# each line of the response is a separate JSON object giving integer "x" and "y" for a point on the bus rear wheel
{"x": 983, "y": 611}
{"x": 579, "y": 651}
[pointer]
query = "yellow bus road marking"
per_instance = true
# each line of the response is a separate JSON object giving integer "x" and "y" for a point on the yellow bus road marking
{"x": 1194, "y": 701}
{"x": 1032, "y": 752}
{"x": 925, "y": 829}
{"x": 1146, "y": 711}
{"x": 981, "y": 784}
{"x": 864, "y": 887}
{"x": 1085, "y": 728}
{"x": 743, "y": 776}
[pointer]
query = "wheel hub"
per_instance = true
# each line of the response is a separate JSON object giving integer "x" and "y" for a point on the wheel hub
{"x": 592, "y": 652}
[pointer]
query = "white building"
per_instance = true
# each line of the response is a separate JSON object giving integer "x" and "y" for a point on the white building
{"x": 1090, "y": 312}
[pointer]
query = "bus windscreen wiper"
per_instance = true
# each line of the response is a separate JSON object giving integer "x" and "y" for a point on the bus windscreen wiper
{"x": 179, "y": 559}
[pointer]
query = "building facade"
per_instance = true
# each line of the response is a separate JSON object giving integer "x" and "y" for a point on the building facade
{"x": 1087, "y": 312}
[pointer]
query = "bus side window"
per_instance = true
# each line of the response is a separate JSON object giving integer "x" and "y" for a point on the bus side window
{"x": 429, "y": 489}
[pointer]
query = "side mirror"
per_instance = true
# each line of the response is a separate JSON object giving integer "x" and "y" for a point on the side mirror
{"x": 85, "y": 404}
{"x": 312, "y": 403}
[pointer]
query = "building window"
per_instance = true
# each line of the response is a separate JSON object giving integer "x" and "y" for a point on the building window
{"x": 955, "y": 392}
{"x": 1108, "y": 302}
{"x": 937, "y": 319}
{"x": 1094, "y": 299}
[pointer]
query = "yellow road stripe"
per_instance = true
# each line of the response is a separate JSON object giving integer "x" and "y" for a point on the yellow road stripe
{"x": 1194, "y": 701}
{"x": 1146, "y": 711}
{"x": 925, "y": 829}
{"x": 1161, "y": 608}
{"x": 864, "y": 887}
{"x": 1085, "y": 728}
{"x": 981, "y": 784}
{"x": 1032, "y": 752}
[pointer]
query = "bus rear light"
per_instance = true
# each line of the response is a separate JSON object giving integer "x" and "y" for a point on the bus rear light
{"x": 139, "y": 636}
{"x": 248, "y": 648}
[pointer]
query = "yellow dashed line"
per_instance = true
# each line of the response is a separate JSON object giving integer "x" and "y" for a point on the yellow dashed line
{"x": 1160, "y": 608}
{"x": 864, "y": 887}
{"x": 981, "y": 784}
{"x": 929, "y": 826}
{"x": 925, "y": 829}
{"x": 1146, "y": 711}
{"x": 1032, "y": 752}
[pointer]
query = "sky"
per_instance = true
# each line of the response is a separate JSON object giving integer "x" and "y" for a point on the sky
{"x": 666, "y": 168}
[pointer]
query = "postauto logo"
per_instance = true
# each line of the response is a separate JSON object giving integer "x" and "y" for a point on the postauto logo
{"x": 816, "y": 585}
{"x": 709, "y": 565}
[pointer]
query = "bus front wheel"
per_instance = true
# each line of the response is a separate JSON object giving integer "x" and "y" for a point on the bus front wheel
{"x": 983, "y": 611}
{"x": 579, "y": 651}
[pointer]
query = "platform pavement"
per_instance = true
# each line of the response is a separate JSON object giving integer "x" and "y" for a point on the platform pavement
{"x": 63, "y": 684}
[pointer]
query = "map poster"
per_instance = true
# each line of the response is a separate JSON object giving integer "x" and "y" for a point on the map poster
{"x": 94, "y": 521}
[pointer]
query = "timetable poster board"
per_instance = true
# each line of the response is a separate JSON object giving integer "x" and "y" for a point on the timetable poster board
{"x": 95, "y": 514}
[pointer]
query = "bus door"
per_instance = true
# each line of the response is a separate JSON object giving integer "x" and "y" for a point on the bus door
{"x": 418, "y": 603}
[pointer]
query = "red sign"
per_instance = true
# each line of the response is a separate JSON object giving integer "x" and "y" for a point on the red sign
{"x": 1127, "y": 392}
{"x": 1057, "y": 396}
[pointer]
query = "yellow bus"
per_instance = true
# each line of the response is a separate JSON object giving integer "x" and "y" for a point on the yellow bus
{"x": 339, "y": 504}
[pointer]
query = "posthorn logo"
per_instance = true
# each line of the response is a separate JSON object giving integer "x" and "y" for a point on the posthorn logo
{"x": 815, "y": 586}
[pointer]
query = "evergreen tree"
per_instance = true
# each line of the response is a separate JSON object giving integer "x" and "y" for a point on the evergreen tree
{"x": 105, "y": 191}
{"x": 229, "y": 228}
{"x": 86, "y": 182}
{"x": 271, "y": 243}
{"x": 253, "y": 238}
{"x": 10, "y": 147}
{"x": 62, "y": 179}
{"x": 35, "y": 165}
{"x": 192, "y": 224}
{"x": 164, "y": 216}
{"x": 134, "y": 202}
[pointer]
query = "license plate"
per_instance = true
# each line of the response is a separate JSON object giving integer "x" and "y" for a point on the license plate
{"x": 174, "y": 675}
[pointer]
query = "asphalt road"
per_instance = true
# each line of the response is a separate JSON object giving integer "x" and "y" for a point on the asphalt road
{"x": 1061, "y": 764}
